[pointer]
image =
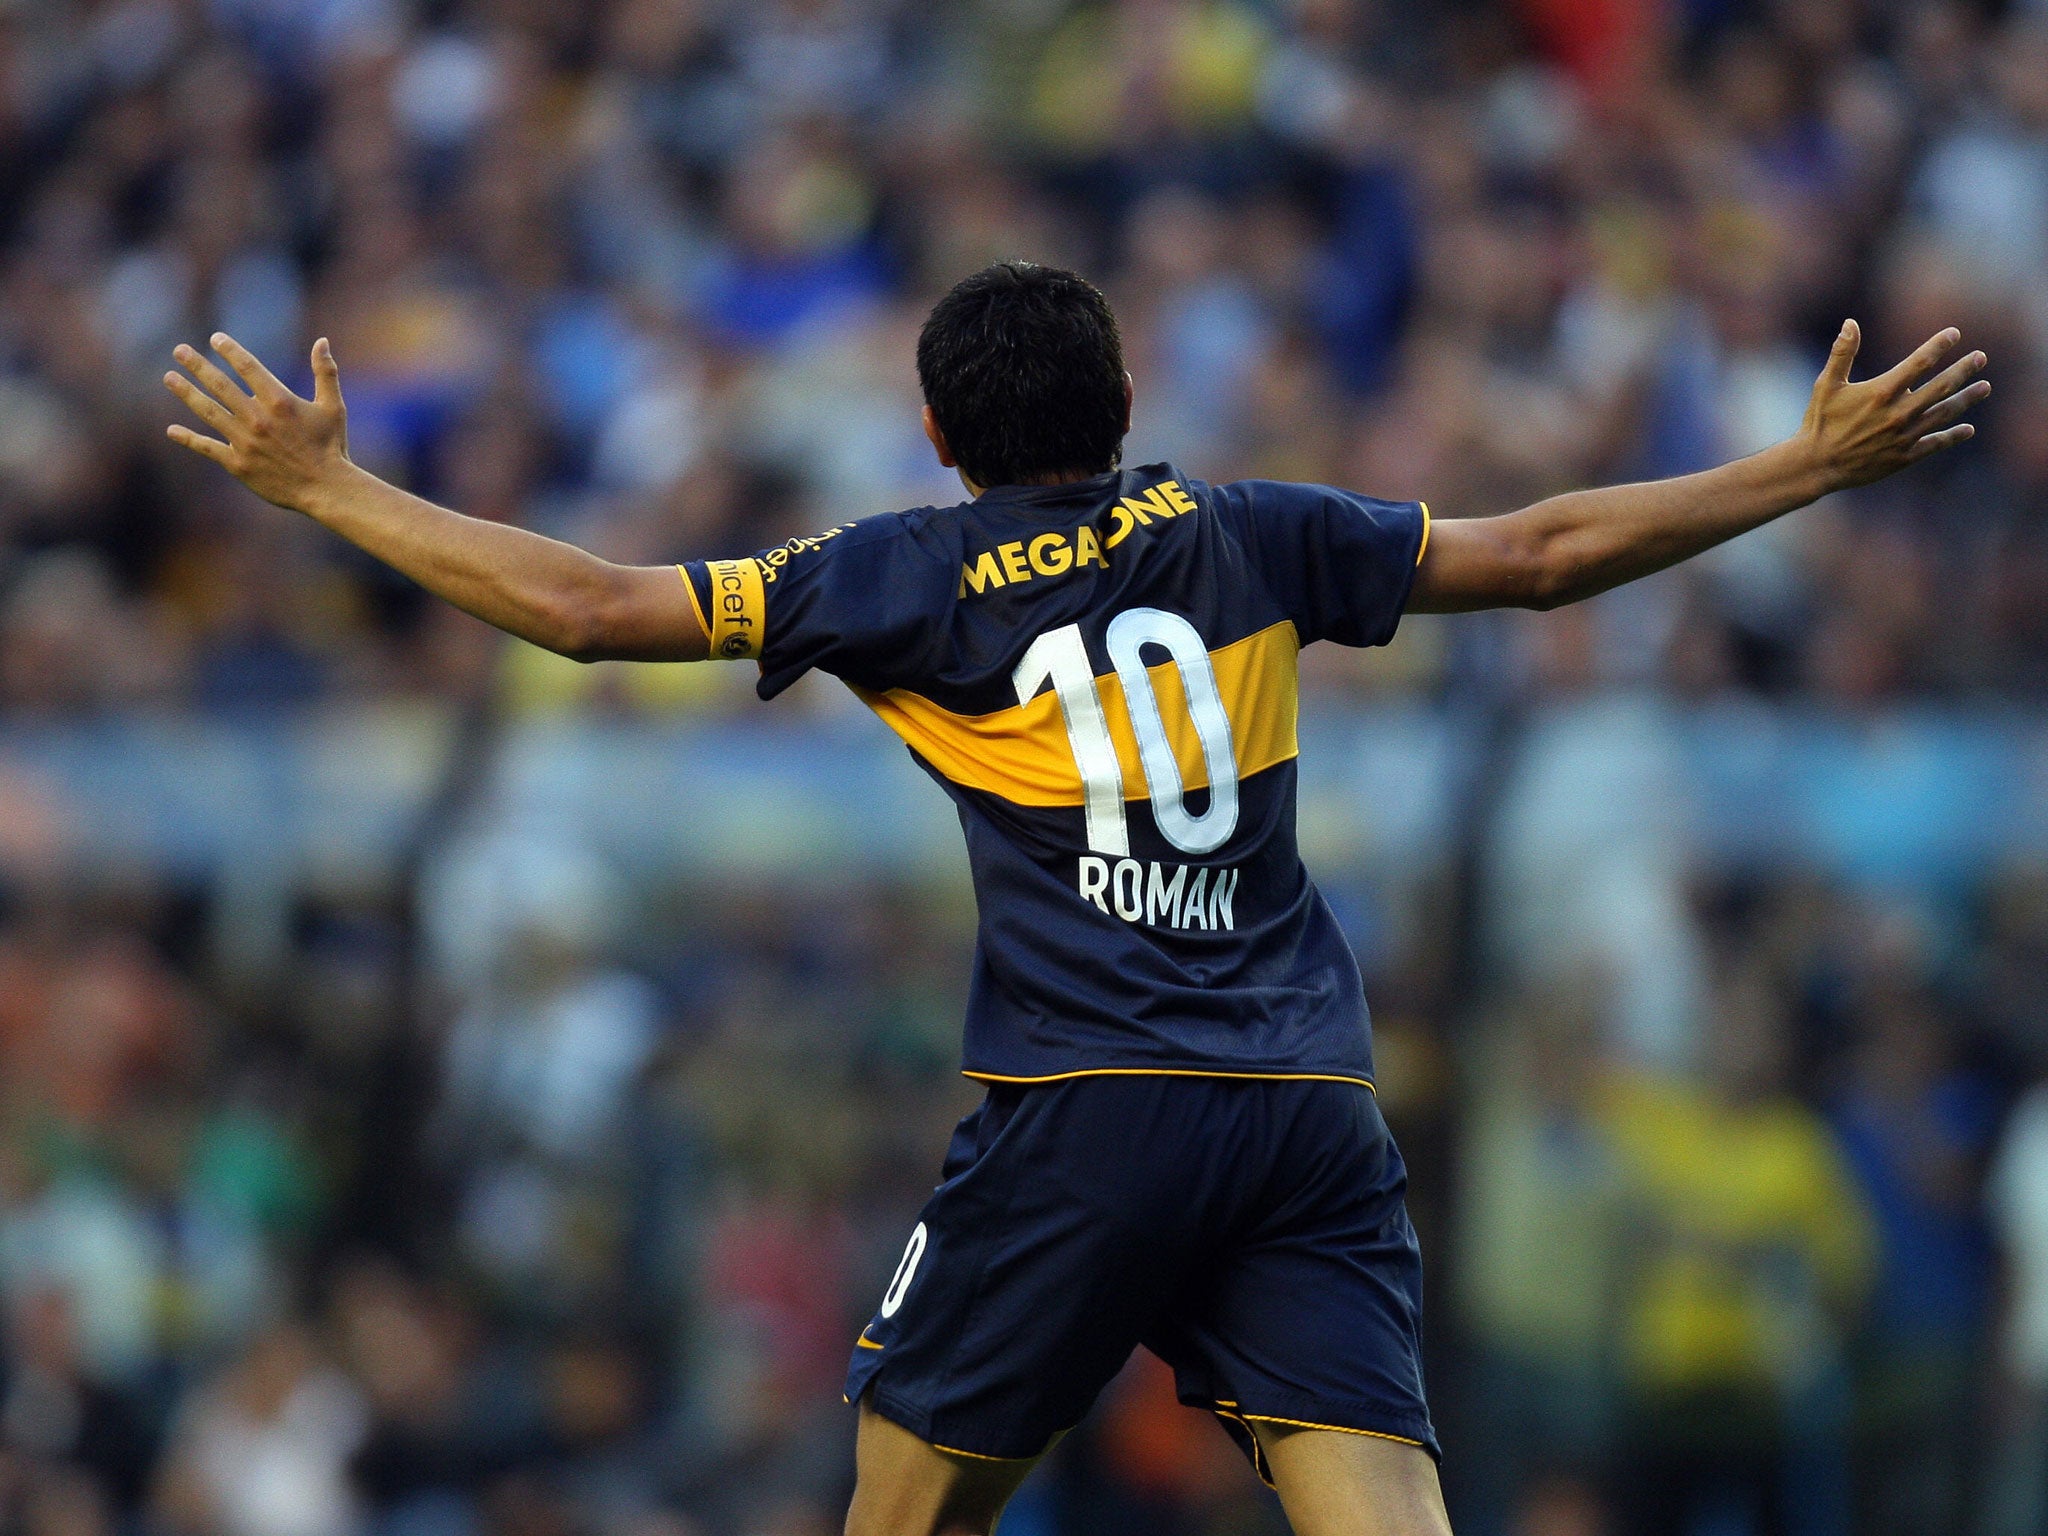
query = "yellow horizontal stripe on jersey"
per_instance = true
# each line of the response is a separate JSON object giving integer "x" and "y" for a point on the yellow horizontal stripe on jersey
{"x": 1022, "y": 753}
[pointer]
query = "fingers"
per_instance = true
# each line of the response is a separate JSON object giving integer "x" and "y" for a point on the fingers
{"x": 1842, "y": 355}
{"x": 1934, "y": 442}
{"x": 208, "y": 410}
{"x": 1922, "y": 360}
{"x": 326, "y": 376}
{"x": 217, "y": 384}
{"x": 1953, "y": 377}
{"x": 261, "y": 381}
{"x": 1942, "y": 412}
{"x": 206, "y": 447}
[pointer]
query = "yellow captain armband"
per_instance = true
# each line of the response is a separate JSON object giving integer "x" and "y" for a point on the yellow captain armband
{"x": 739, "y": 609}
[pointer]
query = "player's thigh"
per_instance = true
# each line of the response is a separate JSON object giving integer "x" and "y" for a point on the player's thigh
{"x": 905, "y": 1486}
{"x": 1336, "y": 1484}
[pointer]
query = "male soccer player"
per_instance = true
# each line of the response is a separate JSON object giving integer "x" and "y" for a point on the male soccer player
{"x": 1180, "y": 1145}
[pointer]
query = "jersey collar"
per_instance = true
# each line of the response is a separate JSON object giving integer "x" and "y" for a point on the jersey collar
{"x": 1094, "y": 487}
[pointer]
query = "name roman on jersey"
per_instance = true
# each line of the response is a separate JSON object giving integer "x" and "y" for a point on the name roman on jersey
{"x": 1056, "y": 554}
{"x": 1146, "y": 893}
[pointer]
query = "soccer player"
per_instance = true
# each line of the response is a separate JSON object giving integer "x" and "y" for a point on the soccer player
{"x": 1180, "y": 1145}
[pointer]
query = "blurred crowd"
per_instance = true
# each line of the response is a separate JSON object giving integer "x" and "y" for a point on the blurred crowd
{"x": 564, "y": 1227}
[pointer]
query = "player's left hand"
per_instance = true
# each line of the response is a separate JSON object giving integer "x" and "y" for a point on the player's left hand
{"x": 1862, "y": 431}
{"x": 283, "y": 447}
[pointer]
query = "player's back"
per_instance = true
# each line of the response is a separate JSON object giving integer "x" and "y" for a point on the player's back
{"x": 1102, "y": 675}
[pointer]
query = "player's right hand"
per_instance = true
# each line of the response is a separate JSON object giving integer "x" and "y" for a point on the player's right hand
{"x": 282, "y": 447}
{"x": 1860, "y": 432}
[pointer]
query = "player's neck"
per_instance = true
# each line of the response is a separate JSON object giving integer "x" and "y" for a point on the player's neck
{"x": 1037, "y": 482}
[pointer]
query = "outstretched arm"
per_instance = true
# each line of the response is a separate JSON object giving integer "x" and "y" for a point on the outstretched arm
{"x": 294, "y": 452}
{"x": 1584, "y": 542}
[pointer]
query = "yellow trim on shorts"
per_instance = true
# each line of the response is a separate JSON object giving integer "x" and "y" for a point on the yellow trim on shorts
{"x": 1342, "y": 1429}
{"x": 1223, "y": 1411}
{"x": 977, "y": 1455}
{"x": 1252, "y": 1077}
{"x": 1226, "y": 1408}
{"x": 1423, "y": 548}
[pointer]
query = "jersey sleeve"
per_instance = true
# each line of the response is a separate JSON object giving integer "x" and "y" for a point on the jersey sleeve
{"x": 1340, "y": 564}
{"x": 860, "y": 601}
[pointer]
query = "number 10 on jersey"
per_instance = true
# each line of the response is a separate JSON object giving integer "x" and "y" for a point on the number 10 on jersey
{"x": 1061, "y": 655}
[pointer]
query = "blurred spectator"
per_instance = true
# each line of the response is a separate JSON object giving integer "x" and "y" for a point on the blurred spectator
{"x": 2019, "y": 1210}
{"x": 1916, "y": 1128}
{"x": 1540, "y": 1280}
{"x": 265, "y": 1446}
{"x": 1749, "y": 1253}
{"x": 54, "y": 1412}
{"x": 430, "y": 1443}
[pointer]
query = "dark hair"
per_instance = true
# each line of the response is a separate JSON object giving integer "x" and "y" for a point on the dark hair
{"x": 1024, "y": 369}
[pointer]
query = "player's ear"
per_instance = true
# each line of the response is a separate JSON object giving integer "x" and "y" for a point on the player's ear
{"x": 1130, "y": 390}
{"x": 937, "y": 438}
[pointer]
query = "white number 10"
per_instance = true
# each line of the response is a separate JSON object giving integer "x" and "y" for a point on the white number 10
{"x": 1061, "y": 655}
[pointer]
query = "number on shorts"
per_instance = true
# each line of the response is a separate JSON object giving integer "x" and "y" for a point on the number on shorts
{"x": 906, "y": 1271}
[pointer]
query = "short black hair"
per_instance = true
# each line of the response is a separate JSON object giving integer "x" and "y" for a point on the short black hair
{"x": 1024, "y": 368}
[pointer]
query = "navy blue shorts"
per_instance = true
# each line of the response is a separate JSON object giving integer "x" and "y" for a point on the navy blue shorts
{"x": 1250, "y": 1233}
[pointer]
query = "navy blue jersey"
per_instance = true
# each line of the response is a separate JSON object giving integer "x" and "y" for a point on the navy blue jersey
{"x": 1103, "y": 678}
